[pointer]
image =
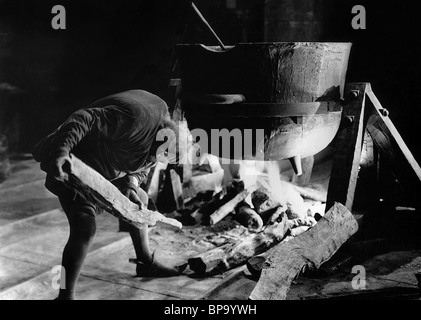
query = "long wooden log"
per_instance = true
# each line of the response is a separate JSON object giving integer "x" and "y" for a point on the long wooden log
{"x": 309, "y": 250}
{"x": 229, "y": 207}
{"x": 91, "y": 185}
{"x": 232, "y": 255}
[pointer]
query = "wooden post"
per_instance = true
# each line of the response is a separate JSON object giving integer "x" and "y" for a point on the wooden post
{"x": 348, "y": 146}
{"x": 308, "y": 250}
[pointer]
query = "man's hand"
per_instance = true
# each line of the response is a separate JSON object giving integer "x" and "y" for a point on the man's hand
{"x": 129, "y": 186}
{"x": 56, "y": 167}
{"x": 140, "y": 198}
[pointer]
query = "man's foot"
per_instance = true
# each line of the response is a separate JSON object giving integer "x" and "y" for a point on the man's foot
{"x": 66, "y": 295}
{"x": 155, "y": 269}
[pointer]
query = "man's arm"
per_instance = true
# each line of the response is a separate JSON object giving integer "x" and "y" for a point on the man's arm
{"x": 80, "y": 124}
{"x": 71, "y": 132}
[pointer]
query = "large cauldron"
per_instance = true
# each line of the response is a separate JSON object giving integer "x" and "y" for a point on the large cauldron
{"x": 291, "y": 90}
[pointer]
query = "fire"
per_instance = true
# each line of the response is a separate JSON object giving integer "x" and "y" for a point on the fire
{"x": 267, "y": 175}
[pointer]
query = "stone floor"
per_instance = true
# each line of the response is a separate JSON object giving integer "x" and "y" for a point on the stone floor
{"x": 33, "y": 232}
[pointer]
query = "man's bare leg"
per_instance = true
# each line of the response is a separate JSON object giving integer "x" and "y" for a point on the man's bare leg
{"x": 82, "y": 231}
{"x": 148, "y": 266}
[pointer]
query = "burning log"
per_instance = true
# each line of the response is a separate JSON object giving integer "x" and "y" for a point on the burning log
{"x": 262, "y": 201}
{"x": 228, "y": 193}
{"x": 309, "y": 250}
{"x": 232, "y": 255}
{"x": 230, "y": 206}
{"x": 249, "y": 218}
{"x": 91, "y": 185}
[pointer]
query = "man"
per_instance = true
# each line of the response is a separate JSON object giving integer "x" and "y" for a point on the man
{"x": 116, "y": 136}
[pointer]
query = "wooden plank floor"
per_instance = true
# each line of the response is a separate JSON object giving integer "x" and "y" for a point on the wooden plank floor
{"x": 34, "y": 230}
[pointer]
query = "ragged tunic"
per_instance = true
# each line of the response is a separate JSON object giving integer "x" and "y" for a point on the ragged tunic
{"x": 113, "y": 135}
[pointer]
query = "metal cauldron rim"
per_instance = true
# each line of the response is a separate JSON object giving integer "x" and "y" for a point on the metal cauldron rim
{"x": 213, "y": 48}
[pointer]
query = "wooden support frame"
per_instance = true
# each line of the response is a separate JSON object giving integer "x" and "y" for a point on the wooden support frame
{"x": 393, "y": 148}
{"x": 348, "y": 146}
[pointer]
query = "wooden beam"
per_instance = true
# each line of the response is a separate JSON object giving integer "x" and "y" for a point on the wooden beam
{"x": 91, "y": 185}
{"x": 309, "y": 250}
{"x": 348, "y": 146}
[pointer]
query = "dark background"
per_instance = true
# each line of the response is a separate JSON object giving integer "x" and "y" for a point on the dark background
{"x": 110, "y": 46}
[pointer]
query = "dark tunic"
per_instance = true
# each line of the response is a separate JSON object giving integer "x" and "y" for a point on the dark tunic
{"x": 114, "y": 134}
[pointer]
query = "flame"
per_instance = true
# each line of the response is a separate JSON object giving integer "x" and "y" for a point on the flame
{"x": 267, "y": 175}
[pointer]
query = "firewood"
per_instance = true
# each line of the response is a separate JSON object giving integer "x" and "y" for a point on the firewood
{"x": 299, "y": 230}
{"x": 204, "y": 182}
{"x": 230, "y": 206}
{"x": 232, "y": 255}
{"x": 177, "y": 189}
{"x": 256, "y": 263}
{"x": 91, "y": 185}
{"x": 249, "y": 218}
{"x": 309, "y": 250}
{"x": 154, "y": 182}
{"x": 295, "y": 226}
{"x": 262, "y": 201}
{"x": 226, "y": 194}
